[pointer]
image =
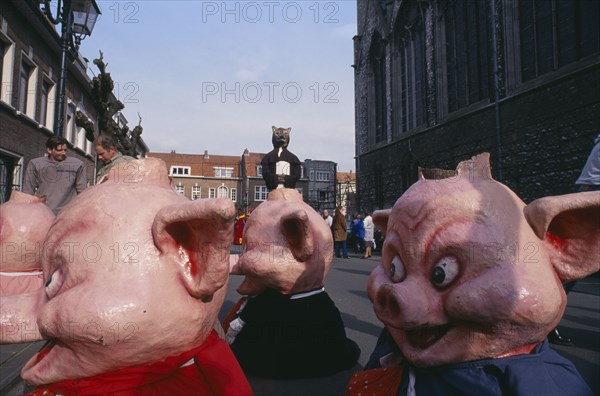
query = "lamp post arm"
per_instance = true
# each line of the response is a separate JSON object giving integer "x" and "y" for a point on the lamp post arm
{"x": 48, "y": 11}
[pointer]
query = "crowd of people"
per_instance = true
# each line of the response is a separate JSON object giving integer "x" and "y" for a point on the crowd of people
{"x": 359, "y": 235}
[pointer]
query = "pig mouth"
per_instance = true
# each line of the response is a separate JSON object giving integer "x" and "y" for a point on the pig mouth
{"x": 45, "y": 350}
{"x": 424, "y": 337}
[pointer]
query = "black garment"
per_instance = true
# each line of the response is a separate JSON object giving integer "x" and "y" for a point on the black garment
{"x": 269, "y": 166}
{"x": 293, "y": 338}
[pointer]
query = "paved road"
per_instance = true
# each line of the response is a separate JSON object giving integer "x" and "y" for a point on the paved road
{"x": 346, "y": 285}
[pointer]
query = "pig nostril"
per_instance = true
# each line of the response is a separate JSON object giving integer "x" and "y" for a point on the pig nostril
{"x": 387, "y": 302}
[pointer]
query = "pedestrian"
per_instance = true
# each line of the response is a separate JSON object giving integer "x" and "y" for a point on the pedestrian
{"x": 589, "y": 179}
{"x": 106, "y": 148}
{"x": 339, "y": 233}
{"x": 327, "y": 217}
{"x": 55, "y": 176}
{"x": 369, "y": 234}
{"x": 358, "y": 231}
{"x": 238, "y": 227}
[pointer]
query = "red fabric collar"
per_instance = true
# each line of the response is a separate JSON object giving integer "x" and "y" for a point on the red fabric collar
{"x": 216, "y": 372}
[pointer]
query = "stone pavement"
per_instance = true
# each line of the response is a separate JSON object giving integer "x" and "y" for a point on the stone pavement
{"x": 346, "y": 284}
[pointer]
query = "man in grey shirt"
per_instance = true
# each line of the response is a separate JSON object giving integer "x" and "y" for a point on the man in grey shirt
{"x": 56, "y": 177}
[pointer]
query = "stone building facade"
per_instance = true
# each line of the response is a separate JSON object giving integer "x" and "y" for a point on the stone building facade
{"x": 438, "y": 81}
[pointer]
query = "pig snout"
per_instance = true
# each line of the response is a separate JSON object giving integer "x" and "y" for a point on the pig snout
{"x": 402, "y": 305}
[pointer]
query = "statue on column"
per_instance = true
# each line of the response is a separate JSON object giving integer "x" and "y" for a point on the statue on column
{"x": 280, "y": 167}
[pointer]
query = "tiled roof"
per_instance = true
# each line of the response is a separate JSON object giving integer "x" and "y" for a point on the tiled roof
{"x": 200, "y": 164}
{"x": 344, "y": 177}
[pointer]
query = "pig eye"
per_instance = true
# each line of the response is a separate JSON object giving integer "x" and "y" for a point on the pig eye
{"x": 53, "y": 284}
{"x": 397, "y": 273}
{"x": 444, "y": 272}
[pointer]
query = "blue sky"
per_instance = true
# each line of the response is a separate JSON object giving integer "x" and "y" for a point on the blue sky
{"x": 216, "y": 75}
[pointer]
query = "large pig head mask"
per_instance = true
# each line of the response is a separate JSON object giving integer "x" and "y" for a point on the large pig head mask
{"x": 134, "y": 273}
{"x": 287, "y": 246}
{"x": 24, "y": 222}
{"x": 469, "y": 271}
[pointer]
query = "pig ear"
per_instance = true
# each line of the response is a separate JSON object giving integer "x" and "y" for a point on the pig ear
{"x": 569, "y": 225}
{"x": 196, "y": 235}
{"x": 294, "y": 227}
{"x": 380, "y": 219}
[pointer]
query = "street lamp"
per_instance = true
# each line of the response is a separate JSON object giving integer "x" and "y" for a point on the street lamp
{"x": 77, "y": 19}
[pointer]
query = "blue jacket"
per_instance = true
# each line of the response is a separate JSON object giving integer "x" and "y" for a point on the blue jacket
{"x": 542, "y": 372}
{"x": 358, "y": 229}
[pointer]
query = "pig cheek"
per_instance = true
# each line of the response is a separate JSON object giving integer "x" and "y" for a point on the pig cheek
{"x": 506, "y": 306}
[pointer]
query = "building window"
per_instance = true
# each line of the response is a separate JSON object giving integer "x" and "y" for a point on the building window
{"x": 311, "y": 175}
{"x": 223, "y": 172}
{"x": 234, "y": 194}
{"x": 212, "y": 192}
{"x": 26, "y": 95}
{"x": 260, "y": 193}
{"x": 378, "y": 61}
{"x": 196, "y": 192}
{"x": 554, "y": 33}
{"x": 259, "y": 170}
{"x": 180, "y": 189}
{"x": 468, "y": 59}
{"x": 47, "y": 103}
{"x": 44, "y": 103}
{"x": 3, "y": 49}
{"x": 10, "y": 174}
{"x": 71, "y": 129}
{"x": 223, "y": 192}
{"x": 379, "y": 193}
{"x": 409, "y": 82}
{"x": 180, "y": 171}
{"x": 322, "y": 176}
{"x": 7, "y": 51}
{"x": 80, "y": 141}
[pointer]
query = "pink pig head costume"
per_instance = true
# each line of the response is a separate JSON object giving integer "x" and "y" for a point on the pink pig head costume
{"x": 288, "y": 327}
{"x": 470, "y": 284}
{"x": 24, "y": 222}
{"x": 135, "y": 277}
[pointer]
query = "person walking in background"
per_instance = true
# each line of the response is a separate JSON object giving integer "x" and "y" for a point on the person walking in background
{"x": 589, "y": 179}
{"x": 358, "y": 230}
{"x": 328, "y": 219}
{"x": 55, "y": 176}
{"x": 369, "y": 234}
{"x": 106, "y": 148}
{"x": 339, "y": 233}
